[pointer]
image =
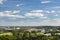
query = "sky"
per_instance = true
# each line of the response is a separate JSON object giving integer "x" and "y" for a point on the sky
{"x": 29, "y": 12}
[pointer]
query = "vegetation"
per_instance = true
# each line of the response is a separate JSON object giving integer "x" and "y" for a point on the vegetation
{"x": 29, "y": 35}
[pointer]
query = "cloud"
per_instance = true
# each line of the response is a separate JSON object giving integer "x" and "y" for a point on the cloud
{"x": 50, "y": 11}
{"x": 37, "y": 11}
{"x": 1, "y": 1}
{"x": 43, "y": 11}
{"x": 53, "y": 11}
{"x": 11, "y": 14}
{"x": 7, "y": 12}
{"x": 41, "y": 14}
{"x": 16, "y": 11}
{"x": 56, "y": 14}
{"x": 56, "y": 7}
{"x": 19, "y": 5}
{"x": 54, "y": 22}
{"x": 15, "y": 14}
{"x": 44, "y": 2}
{"x": 34, "y": 14}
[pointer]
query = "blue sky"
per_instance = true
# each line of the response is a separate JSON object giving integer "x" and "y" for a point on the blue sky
{"x": 29, "y": 12}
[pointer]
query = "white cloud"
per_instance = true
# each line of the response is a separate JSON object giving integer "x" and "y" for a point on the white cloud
{"x": 7, "y": 12}
{"x": 1, "y": 1}
{"x": 43, "y": 11}
{"x": 56, "y": 7}
{"x": 51, "y": 22}
{"x": 19, "y": 5}
{"x": 16, "y": 11}
{"x": 54, "y": 22}
{"x": 58, "y": 11}
{"x": 52, "y": 11}
{"x": 37, "y": 11}
{"x": 15, "y": 16}
{"x": 44, "y": 2}
{"x": 48, "y": 12}
{"x": 10, "y": 14}
{"x": 56, "y": 14}
{"x": 34, "y": 14}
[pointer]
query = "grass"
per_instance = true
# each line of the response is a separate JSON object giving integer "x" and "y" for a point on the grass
{"x": 8, "y": 33}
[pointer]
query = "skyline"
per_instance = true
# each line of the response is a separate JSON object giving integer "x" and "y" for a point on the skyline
{"x": 29, "y": 12}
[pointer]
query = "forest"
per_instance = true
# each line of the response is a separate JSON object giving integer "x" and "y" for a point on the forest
{"x": 28, "y": 34}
